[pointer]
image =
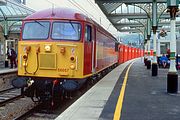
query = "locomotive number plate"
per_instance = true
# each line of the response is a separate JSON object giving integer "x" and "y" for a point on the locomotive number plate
{"x": 63, "y": 71}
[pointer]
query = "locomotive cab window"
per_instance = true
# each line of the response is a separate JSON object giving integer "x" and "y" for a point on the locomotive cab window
{"x": 66, "y": 31}
{"x": 36, "y": 30}
{"x": 88, "y": 33}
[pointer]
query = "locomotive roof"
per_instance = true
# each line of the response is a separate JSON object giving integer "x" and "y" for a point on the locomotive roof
{"x": 59, "y": 13}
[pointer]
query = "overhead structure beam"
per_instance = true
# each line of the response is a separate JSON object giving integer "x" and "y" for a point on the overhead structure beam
{"x": 129, "y": 30}
{"x": 119, "y": 16}
{"x": 121, "y": 25}
{"x": 111, "y": 7}
{"x": 136, "y": 29}
{"x": 132, "y": 25}
{"x": 13, "y": 18}
{"x": 129, "y": 1}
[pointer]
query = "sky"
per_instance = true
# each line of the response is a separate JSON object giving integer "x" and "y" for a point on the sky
{"x": 88, "y": 7}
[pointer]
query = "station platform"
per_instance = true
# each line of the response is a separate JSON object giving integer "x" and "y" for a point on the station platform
{"x": 7, "y": 70}
{"x": 122, "y": 95}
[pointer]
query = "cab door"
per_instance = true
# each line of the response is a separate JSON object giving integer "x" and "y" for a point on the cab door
{"x": 88, "y": 49}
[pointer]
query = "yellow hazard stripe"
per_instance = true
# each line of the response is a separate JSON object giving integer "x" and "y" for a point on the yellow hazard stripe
{"x": 117, "y": 113}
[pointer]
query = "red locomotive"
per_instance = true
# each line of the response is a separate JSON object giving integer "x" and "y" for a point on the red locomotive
{"x": 61, "y": 49}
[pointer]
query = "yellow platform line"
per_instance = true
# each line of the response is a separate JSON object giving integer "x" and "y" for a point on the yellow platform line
{"x": 117, "y": 113}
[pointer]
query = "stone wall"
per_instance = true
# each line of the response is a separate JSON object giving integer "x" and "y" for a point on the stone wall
{"x": 6, "y": 79}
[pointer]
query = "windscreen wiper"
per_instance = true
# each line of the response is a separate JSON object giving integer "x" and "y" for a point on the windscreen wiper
{"x": 39, "y": 23}
{"x": 72, "y": 26}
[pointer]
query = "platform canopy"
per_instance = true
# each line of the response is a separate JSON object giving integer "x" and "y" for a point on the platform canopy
{"x": 11, "y": 15}
{"x": 131, "y": 15}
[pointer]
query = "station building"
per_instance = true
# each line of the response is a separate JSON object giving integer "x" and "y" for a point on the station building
{"x": 11, "y": 14}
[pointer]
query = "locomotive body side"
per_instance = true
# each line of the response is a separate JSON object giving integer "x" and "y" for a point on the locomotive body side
{"x": 99, "y": 50}
{"x": 106, "y": 55}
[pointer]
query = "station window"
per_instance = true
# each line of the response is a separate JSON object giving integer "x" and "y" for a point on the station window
{"x": 88, "y": 33}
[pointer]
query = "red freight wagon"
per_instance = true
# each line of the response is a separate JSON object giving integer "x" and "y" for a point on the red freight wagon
{"x": 125, "y": 54}
{"x": 132, "y": 53}
{"x": 135, "y": 52}
{"x": 139, "y": 52}
{"x": 121, "y": 53}
{"x": 129, "y": 54}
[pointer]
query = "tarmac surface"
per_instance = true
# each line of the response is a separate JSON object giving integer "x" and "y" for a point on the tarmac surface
{"x": 145, "y": 98}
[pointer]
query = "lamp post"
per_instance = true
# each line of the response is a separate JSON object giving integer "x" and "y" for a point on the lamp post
{"x": 172, "y": 76}
{"x": 145, "y": 48}
{"x": 154, "y": 28}
{"x": 148, "y": 63}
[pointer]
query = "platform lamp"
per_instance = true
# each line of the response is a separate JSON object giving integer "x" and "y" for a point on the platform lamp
{"x": 6, "y": 29}
{"x": 172, "y": 76}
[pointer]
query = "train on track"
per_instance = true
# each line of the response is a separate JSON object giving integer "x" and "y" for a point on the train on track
{"x": 61, "y": 49}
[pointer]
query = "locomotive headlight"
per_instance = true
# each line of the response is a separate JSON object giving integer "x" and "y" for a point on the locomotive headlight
{"x": 72, "y": 67}
{"x": 25, "y": 64}
{"x": 47, "y": 48}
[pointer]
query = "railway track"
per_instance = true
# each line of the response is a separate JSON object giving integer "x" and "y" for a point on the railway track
{"x": 9, "y": 95}
{"x": 45, "y": 112}
{"x": 12, "y": 103}
{"x": 6, "y": 78}
{"x": 39, "y": 113}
